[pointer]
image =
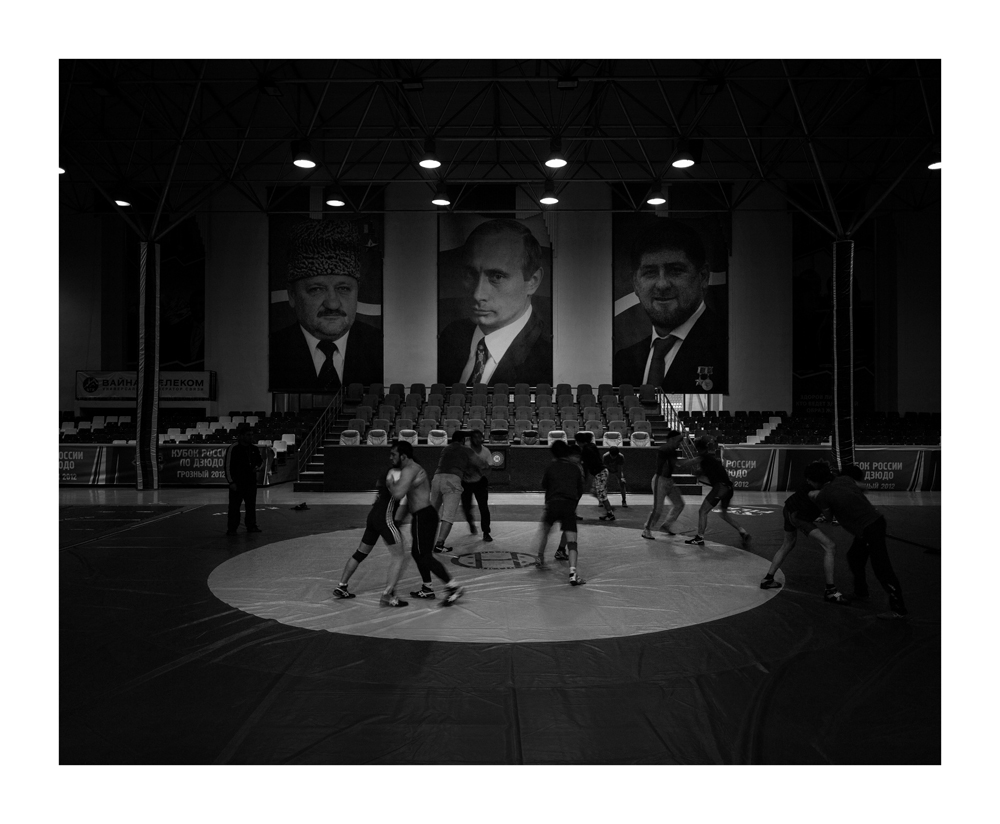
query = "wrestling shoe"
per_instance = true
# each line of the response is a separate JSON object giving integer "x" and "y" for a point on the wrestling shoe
{"x": 609, "y": 517}
{"x": 341, "y": 592}
{"x": 624, "y": 505}
{"x": 562, "y": 555}
{"x": 575, "y": 580}
{"x": 769, "y": 583}
{"x": 540, "y": 562}
{"x": 648, "y": 535}
{"x": 697, "y": 540}
{"x": 487, "y": 537}
{"x": 424, "y": 592}
{"x": 745, "y": 540}
{"x": 454, "y": 593}
{"x": 391, "y": 601}
{"x": 441, "y": 548}
{"x": 835, "y": 596}
{"x": 897, "y": 606}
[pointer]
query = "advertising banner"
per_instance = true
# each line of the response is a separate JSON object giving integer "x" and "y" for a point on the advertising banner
{"x": 179, "y": 465}
{"x": 174, "y": 386}
{"x": 891, "y": 469}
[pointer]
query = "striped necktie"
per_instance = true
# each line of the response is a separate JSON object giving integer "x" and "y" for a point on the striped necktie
{"x": 482, "y": 355}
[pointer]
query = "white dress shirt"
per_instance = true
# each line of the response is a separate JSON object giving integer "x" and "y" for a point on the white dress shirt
{"x": 681, "y": 332}
{"x": 319, "y": 358}
{"x": 497, "y": 343}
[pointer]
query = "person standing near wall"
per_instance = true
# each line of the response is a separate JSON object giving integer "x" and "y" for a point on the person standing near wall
{"x": 242, "y": 461}
{"x": 476, "y": 483}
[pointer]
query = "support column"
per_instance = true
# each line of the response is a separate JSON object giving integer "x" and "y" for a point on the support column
{"x": 843, "y": 352}
{"x": 147, "y": 402}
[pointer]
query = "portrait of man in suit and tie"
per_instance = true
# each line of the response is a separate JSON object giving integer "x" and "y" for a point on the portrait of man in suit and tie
{"x": 327, "y": 346}
{"x": 501, "y": 295}
{"x": 678, "y": 330}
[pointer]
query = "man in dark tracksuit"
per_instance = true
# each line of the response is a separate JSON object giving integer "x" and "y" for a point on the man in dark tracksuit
{"x": 242, "y": 461}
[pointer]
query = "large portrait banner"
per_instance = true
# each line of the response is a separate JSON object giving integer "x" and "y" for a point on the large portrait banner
{"x": 495, "y": 300}
{"x": 325, "y": 317}
{"x": 671, "y": 308}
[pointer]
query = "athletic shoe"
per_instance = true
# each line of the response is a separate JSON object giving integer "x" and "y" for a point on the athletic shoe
{"x": 697, "y": 540}
{"x": 896, "y": 605}
{"x": 624, "y": 505}
{"x": 891, "y": 615}
{"x": 540, "y": 561}
{"x": 561, "y": 555}
{"x": 745, "y": 540}
{"x": 487, "y": 537}
{"x": 648, "y": 535}
{"x": 442, "y": 548}
{"x": 423, "y": 592}
{"x": 341, "y": 592}
{"x": 472, "y": 529}
{"x": 609, "y": 517}
{"x": 770, "y": 583}
{"x": 454, "y": 593}
{"x": 575, "y": 580}
{"x": 835, "y": 597}
{"x": 254, "y": 529}
{"x": 391, "y": 601}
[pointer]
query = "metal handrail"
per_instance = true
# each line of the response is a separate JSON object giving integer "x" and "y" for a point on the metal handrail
{"x": 316, "y": 435}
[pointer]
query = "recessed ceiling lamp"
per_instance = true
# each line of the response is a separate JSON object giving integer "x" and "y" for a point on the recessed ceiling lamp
{"x": 556, "y": 159}
{"x": 441, "y": 195}
{"x": 429, "y": 159}
{"x": 549, "y": 195}
{"x": 302, "y": 154}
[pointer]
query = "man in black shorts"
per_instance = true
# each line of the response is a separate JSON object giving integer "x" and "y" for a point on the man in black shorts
{"x": 845, "y": 500}
{"x": 563, "y": 485}
{"x": 595, "y": 466}
{"x": 712, "y": 472}
{"x": 800, "y": 514}
{"x": 614, "y": 462}
{"x": 383, "y": 522}
{"x": 415, "y": 486}
{"x": 664, "y": 487}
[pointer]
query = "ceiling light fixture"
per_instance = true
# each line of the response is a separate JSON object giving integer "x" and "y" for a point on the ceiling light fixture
{"x": 62, "y": 171}
{"x": 683, "y": 158}
{"x": 333, "y": 196}
{"x": 656, "y": 197}
{"x": 429, "y": 159}
{"x": 441, "y": 195}
{"x": 549, "y": 195}
{"x": 122, "y": 202}
{"x": 556, "y": 159}
{"x": 935, "y": 159}
{"x": 302, "y": 154}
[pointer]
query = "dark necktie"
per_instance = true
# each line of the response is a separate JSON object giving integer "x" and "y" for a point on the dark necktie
{"x": 657, "y": 366}
{"x": 328, "y": 380}
{"x": 482, "y": 355}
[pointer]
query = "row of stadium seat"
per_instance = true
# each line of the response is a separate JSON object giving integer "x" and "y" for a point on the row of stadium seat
{"x": 440, "y": 437}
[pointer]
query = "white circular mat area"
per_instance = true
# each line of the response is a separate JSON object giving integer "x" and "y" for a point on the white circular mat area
{"x": 634, "y": 586}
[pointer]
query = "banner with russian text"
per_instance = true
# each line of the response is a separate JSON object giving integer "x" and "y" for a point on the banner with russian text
{"x": 174, "y": 386}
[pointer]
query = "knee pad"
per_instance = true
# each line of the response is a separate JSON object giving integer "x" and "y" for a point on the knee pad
{"x": 359, "y": 556}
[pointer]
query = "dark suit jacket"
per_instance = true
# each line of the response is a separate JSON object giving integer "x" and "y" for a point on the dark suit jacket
{"x": 528, "y": 360}
{"x": 292, "y": 368}
{"x": 707, "y": 344}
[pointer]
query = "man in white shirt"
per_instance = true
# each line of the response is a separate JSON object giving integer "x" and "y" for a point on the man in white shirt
{"x": 670, "y": 274}
{"x": 503, "y": 339}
